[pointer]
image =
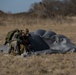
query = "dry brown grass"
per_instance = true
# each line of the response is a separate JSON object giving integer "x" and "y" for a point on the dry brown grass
{"x": 54, "y": 64}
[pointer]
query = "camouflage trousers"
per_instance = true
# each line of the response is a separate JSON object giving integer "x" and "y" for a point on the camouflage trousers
{"x": 15, "y": 48}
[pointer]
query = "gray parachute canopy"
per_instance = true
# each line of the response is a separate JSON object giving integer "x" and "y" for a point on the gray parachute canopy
{"x": 43, "y": 41}
{"x": 49, "y": 34}
{"x": 37, "y": 43}
{"x": 40, "y": 32}
{"x": 44, "y": 33}
{"x": 60, "y": 44}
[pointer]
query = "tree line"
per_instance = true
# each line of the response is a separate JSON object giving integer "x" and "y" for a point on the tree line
{"x": 52, "y": 8}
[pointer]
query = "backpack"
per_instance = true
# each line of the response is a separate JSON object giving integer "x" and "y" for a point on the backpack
{"x": 10, "y": 35}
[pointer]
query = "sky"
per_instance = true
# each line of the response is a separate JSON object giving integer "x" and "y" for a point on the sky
{"x": 16, "y": 6}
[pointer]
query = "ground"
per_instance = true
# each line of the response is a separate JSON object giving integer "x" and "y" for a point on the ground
{"x": 53, "y": 64}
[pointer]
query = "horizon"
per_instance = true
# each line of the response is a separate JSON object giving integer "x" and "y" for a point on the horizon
{"x": 16, "y": 6}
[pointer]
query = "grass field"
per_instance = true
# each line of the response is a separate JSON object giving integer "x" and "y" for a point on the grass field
{"x": 54, "y": 64}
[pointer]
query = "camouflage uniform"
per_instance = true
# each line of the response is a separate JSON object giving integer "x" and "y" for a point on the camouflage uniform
{"x": 13, "y": 47}
{"x": 14, "y": 43}
{"x": 27, "y": 40}
{"x": 10, "y": 35}
{"x": 24, "y": 39}
{"x": 20, "y": 38}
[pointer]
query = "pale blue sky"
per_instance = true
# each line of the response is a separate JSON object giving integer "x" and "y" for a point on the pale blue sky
{"x": 15, "y": 6}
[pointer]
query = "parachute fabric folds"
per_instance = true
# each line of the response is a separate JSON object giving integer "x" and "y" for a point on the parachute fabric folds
{"x": 60, "y": 44}
{"x": 57, "y": 43}
{"x": 49, "y": 34}
{"x": 37, "y": 43}
{"x": 40, "y": 32}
